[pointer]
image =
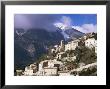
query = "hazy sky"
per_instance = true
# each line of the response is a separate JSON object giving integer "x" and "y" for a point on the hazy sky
{"x": 82, "y": 22}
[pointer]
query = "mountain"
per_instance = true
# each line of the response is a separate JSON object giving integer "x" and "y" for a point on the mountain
{"x": 31, "y": 44}
{"x": 73, "y": 33}
{"x": 69, "y": 32}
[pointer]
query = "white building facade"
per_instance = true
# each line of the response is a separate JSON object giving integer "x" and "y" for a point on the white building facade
{"x": 71, "y": 45}
{"x": 90, "y": 43}
{"x": 50, "y": 71}
{"x": 28, "y": 71}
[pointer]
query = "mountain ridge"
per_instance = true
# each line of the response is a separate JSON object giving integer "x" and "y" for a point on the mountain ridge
{"x": 32, "y": 43}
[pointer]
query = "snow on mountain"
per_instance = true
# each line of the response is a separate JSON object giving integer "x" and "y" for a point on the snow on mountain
{"x": 20, "y": 31}
{"x": 62, "y": 28}
{"x": 68, "y": 31}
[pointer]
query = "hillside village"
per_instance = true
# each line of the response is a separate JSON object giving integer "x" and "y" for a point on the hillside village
{"x": 75, "y": 58}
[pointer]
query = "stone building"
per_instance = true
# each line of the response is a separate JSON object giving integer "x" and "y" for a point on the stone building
{"x": 60, "y": 55}
{"x": 58, "y": 48}
{"x": 19, "y": 72}
{"x": 28, "y": 71}
{"x": 52, "y": 71}
{"x": 62, "y": 46}
{"x": 31, "y": 70}
{"x": 63, "y": 73}
{"x": 90, "y": 43}
{"x": 49, "y": 64}
{"x": 71, "y": 45}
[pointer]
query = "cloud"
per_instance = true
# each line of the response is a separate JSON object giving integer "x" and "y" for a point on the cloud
{"x": 49, "y": 22}
{"x": 86, "y": 28}
{"x": 90, "y": 27}
{"x": 21, "y": 21}
{"x": 27, "y": 21}
{"x": 66, "y": 20}
{"x": 64, "y": 23}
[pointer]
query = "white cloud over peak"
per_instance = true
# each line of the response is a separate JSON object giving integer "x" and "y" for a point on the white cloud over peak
{"x": 90, "y": 27}
{"x": 66, "y": 20}
{"x": 58, "y": 24}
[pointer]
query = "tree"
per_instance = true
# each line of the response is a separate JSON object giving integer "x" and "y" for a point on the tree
{"x": 85, "y": 55}
{"x": 94, "y": 36}
{"x": 88, "y": 72}
{"x": 70, "y": 52}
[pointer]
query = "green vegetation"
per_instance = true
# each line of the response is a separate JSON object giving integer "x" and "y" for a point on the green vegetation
{"x": 88, "y": 72}
{"x": 94, "y": 35}
{"x": 85, "y": 55}
{"x": 70, "y": 53}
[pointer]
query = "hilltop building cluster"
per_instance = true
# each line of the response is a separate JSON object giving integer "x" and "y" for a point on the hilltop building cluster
{"x": 57, "y": 66}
